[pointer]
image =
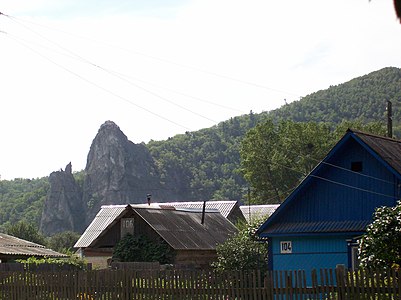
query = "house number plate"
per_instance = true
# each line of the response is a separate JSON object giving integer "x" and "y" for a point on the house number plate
{"x": 285, "y": 247}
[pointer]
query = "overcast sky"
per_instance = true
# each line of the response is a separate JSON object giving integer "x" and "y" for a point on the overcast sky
{"x": 158, "y": 68}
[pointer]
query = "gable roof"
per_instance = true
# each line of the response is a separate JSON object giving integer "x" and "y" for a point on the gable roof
{"x": 13, "y": 246}
{"x": 385, "y": 150}
{"x": 181, "y": 228}
{"x": 258, "y": 211}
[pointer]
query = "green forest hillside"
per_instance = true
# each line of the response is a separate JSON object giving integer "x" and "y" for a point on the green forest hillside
{"x": 205, "y": 164}
{"x": 362, "y": 98}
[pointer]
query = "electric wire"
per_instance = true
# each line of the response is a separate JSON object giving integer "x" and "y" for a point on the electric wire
{"x": 169, "y": 61}
{"x": 118, "y": 76}
{"x": 115, "y": 72}
{"x": 330, "y": 180}
{"x": 98, "y": 86}
{"x": 321, "y": 161}
{"x": 354, "y": 187}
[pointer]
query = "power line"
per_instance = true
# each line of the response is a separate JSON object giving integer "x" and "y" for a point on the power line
{"x": 100, "y": 87}
{"x": 320, "y": 161}
{"x": 215, "y": 74}
{"x": 333, "y": 181}
{"x": 117, "y": 74}
{"x": 354, "y": 187}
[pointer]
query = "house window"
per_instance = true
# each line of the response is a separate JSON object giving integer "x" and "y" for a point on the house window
{"x": 356, "y": 166}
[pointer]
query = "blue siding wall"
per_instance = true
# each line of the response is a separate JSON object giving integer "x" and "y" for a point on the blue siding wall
{"x": 311, "y": 253}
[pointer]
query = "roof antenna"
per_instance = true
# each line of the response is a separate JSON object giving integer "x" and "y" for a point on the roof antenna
{"x": 148, "y": 197}
{"x": 389, "y": 119}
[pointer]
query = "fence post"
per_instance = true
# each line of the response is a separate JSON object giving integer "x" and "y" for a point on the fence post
{"x": 340, "y": 278}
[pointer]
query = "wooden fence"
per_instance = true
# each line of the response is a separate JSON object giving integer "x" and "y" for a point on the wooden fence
{"x": 176, "y": 285}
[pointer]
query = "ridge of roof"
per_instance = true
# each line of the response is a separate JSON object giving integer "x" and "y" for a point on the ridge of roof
{"x": 358, "y": 132}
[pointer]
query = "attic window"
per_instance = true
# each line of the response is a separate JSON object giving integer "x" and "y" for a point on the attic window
{"x": 356, "y": 166}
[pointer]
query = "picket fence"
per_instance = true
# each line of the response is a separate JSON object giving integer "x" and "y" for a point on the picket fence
{"x": 176, "y": 285}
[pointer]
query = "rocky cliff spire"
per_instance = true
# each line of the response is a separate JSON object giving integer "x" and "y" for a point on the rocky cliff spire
{"x": 118, "y": 171}
{"x": 63, "y": 209}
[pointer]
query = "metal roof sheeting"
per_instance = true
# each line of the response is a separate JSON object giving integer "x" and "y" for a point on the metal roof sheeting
{"x": 258, "y": 211}
{"x": 106, "y": 215}
{"x": 10, "y": 245}
{"x": 316, "y": 227}
{"x": 183, "y": 229}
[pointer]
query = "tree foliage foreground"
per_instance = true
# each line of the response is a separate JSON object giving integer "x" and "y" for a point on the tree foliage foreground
{"x": 380, "y": 247}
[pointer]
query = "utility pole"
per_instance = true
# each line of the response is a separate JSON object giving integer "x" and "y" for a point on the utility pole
{"x": 389, "y": 119}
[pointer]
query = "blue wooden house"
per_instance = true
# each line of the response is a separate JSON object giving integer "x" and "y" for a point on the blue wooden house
{"x": 319, "y": 223}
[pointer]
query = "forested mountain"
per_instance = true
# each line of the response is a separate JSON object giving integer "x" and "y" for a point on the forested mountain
{"x": 362, "y": 98}
{"x": 205, "y": 164}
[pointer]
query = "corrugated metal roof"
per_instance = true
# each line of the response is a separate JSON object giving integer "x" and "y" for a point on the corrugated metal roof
{"x": 106, "y": 215}
{"x": 316, "y": 227}
{"x": 388, "y": 149}
{"x": 10, "y": 245}
{"x": 180, "y": 227}
{"x": 183, "y": 229}
{"x": 224, "y": 207}
{"x": 258, "y": 211}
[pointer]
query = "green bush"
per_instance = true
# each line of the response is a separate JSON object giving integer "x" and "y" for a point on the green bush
{"x": 142, "y": 249}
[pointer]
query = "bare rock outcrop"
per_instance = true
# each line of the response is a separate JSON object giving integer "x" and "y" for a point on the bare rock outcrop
{"x": 118, "y": 171}
{"x": 63, "y": 209}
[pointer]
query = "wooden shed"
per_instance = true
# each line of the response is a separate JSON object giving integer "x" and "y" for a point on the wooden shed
{"x": 194, "y": 244}
{"x": 318, "y": 225}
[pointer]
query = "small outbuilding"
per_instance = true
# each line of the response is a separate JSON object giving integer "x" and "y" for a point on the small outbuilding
{"x": 13, "y": 248}
{"x": 192, "y": 241}
{"x": 319, "y": 224}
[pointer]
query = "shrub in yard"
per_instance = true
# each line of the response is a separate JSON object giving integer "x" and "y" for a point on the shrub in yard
{"x": 72, "y": 261}
{"x": 242, "y": 251}
{"x": 142, "y": 249}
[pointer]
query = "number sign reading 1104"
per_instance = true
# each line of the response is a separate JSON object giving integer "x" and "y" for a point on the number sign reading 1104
{"x": 285, "y": 247}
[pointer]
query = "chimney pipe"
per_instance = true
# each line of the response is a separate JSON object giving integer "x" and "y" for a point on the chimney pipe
{"x": 389, "y": 119}
{"x": 203, "y": 212}
{"x": 148, "y": 197}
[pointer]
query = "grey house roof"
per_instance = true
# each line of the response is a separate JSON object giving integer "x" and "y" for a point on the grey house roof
{"x": 13, "y": 246}
{"x": 181, "y": 228}
{"x": 252, "y": 212}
